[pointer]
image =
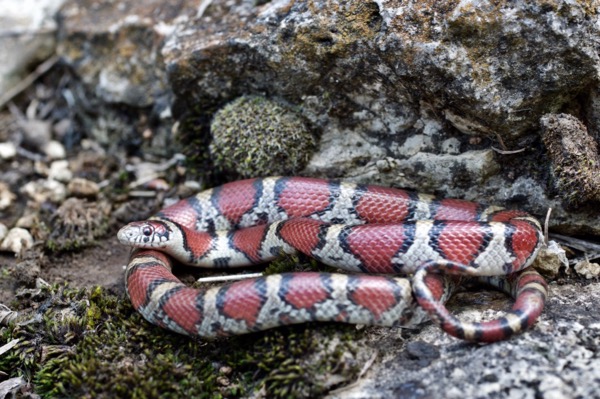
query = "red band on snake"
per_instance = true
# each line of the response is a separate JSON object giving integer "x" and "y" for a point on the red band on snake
{"x": 358, "y": 228}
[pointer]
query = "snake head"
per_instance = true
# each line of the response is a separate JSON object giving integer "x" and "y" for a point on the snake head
{"x": 146, "y": 234}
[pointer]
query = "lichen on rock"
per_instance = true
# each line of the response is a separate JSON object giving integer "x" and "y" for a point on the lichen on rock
{"x": 255, "y": 136}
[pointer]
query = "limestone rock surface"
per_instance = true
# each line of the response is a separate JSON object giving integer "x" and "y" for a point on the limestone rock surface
{"x": 410, "y": 94}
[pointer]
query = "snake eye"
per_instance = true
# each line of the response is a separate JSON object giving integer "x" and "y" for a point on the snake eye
{"x": 147, "y": 231}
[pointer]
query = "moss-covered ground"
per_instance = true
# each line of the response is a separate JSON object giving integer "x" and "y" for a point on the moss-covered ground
{"x": 91, "y": 343}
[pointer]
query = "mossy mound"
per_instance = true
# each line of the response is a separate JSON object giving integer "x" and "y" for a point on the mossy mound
{"x": 76, "y": 224}
{"x": 253, "y": 136}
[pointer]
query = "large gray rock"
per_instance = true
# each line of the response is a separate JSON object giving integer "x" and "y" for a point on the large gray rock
{"x": 558, "y": 358}
{"x": 27, "y": 37}
{"x": 116, "y": 51}
{"x": 487, "y": 67}
{"x": 412, "y": 95}
{"x": 122, "y": 95}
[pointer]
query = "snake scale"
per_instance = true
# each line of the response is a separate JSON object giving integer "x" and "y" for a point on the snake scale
{"x": 377, "y": 233}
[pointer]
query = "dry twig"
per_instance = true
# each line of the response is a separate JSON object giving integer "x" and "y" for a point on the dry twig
{"x": 233, "y": 277}
{"x": 28, "y": 80}
{"x": 508, "y": 152}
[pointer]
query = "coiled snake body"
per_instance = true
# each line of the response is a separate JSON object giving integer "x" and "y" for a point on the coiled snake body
{"x": 359, "y": 228}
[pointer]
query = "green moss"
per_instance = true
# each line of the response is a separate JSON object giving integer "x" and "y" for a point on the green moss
{"x": 88, "y": 343}
{"x": 299, "y": 362}
{"x": 253, "y": 136}
{"x": 91, "y": 343}
{"x": 296, "y": 263}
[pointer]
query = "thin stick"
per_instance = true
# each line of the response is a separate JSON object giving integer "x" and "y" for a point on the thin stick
{"x": 8, "y": 346}
{"x": 501, "y": 142}
{"x": 202, "y": 7}
{"x": 142, "y": 193}
{"x": 31, "y": 155}
{"x": 367, "y": 365}
{"x": 232, "y": 277}
{"x": 577, "y": 243}
{"x": 546, "y": 222}
{"x": 28, "y": 80}
{"x": 508, "y": 152}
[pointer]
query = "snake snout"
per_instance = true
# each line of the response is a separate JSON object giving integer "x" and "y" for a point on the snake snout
{"x": 128, "y": 235}
{"x": 123, "y": 235}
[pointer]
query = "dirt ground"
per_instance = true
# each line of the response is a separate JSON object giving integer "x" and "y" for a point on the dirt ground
{"x": 99, "y": 265}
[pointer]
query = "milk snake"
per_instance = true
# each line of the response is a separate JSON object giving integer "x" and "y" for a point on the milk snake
{"x": 359, "y": 228}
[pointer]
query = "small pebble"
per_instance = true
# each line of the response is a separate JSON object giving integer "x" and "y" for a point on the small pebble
{"x": 224, "y": 381}
{"x": 476, "y": 140}
{"x": 7, "y": 150}
{"x": 62, "y": 127}
{"x": 83, "y": 188}
{"x": 28, "y": 220}
{"x": 59, "y": 170}
{"x": 43, "y": 190}
{"x": 17, "y": 240}
{"x": 41, "y": 168}
{"x": 422, "y": 351}
{"x": 158, "y": 185}
{"x": 550, "y": 259}
{"x": 192, "y": 185}
{"x": 54, "y": 150}
{"x": 94, "y": 146}
{"x": 36, "y": 133}
{"x": 7, "y": 197}
{"x": 451, "y": 146}
{"x": 188, "y": 188}
{"x": 587, "y": 269}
